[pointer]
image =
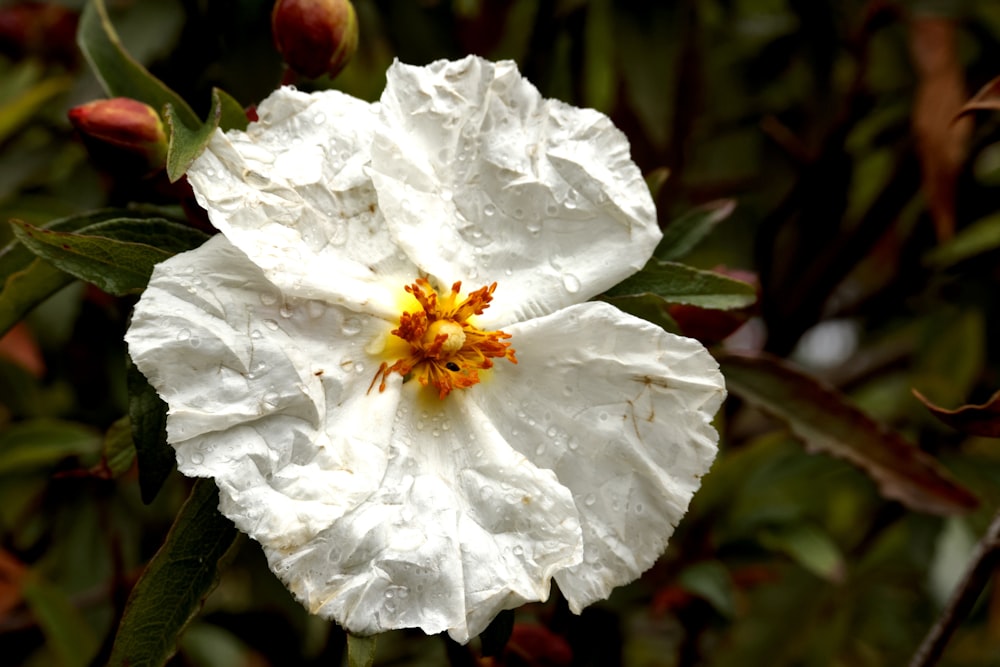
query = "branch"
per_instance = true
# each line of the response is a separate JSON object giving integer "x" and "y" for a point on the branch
{"x": 985, "y": 560}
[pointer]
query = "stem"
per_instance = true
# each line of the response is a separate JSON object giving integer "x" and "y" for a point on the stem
{"x": 985, "y": 559}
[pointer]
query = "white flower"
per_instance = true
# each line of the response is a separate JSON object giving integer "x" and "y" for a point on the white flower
{"x": 294, "y": 360}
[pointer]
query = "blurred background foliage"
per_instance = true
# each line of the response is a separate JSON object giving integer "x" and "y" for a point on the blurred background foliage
{"x": 817, "y": 136}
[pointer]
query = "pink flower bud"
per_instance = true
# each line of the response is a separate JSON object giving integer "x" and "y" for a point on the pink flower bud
{"x": 125, "y": 123}
{"x": 315, "y": 37}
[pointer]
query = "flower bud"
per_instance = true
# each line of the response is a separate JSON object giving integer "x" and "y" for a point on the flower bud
{"x": 126, "y": 124}
{"x": 315, "y": 37}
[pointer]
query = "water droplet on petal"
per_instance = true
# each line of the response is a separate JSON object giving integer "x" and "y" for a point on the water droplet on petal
{"x": 319, "y": 119}
{"x": 518, "y": 550}
{"x": 256, "y": 334}
{"x": 286, "y": 311}
{"x": 272, "y": 398}
{"x": 268, "y": 298}
{"x": 197, "y": 459}
{"x": 489, "y": 210}
{"x": 446, "y": 194}
{"x": 271, "y": 324}
{"x": 351, "y": 326}
{"x": 183, "y": 334}
{"x": 590, "y": 500}
{"x": 571, "y": 283}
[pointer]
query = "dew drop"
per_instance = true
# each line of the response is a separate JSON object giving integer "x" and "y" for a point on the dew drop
{"x": 603, "y": 416}
{"x": 573, "y": 444}
{"x": 570, "y": 204}
{"x": 551, "y": 432}
{"x": 286, "y": 311}
{"x": 319, "y": 119}
{"x": 534, "y": 226}
{"x": 590, "y": 500}
{"x": 271, "y": 324}
{"x": 539, "y": 450}
{"x": 256, "y": 334}
{"x": 519, "y": 213}
{"x": 183, "y": 334}
{"x": 268, "y": 298}
{"x": 551, "y": 209}
{"x": 571, "y": 283}
{"x": 489, "y": 210}
{"x": 351, "y": 326}
{"x": 639, "y": 508}
{"x": 197, "y": 459}
{"x": 257, "y": 369}
{"x": 271, "y": 398}
{"x": 446, "y": 194}
{"x": 518, "y": 550}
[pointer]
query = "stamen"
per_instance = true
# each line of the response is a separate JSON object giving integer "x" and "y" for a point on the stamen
{"x": 446, "y": 350}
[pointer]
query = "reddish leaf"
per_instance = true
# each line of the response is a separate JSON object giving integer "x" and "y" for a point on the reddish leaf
{"x": 826, "y": 422}
{"x": 536, "y": 646}
{"x": 972, "y": 419}
{"x": 940, "y": 93}
{"x": 987, "y": 99}
{"x": 12, "y": 573}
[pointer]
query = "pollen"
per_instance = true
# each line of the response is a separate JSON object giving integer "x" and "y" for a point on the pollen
{"x": 446, "y": 351}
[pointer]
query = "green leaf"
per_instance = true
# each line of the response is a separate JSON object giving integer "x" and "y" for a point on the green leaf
{"x": 981, "y": 419}
{"x": 648, "y": 307}
{"x": 104, "y": 256}
{"x": 234, "y": 116}
{"x": 826, "y": 422}
{"x": 360, "y": 650}
{"x": 981, "y": 236}
{"x": 119, "y": 73}
{"x": 28, "y": 280}
{"x": 496, "y": 635}
{"x": 148, "y": 416}
{"x": 176, "y": 582}
{"x": 684, "y": 233}
{"x": 119, "y": 451}
{"x": 26, "y": 288}
{"x": 679, "y": 283}
{"x": 166, "y": 235}
{"x": 18, "y": 111}
{"x": 711, "y": 581}
{"x": 188, "y": 141}
{"x": 67, "y": 633}
{"x": 43, "y": 443}
{"x": 809, "y": 546}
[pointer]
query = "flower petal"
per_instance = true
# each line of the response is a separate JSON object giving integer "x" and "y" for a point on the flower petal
{"x": 267, "y": 394}
{"x": 293, "y": 194}
{"x": 483, "y": 180}
{"x": 621, "y": 411}
{"x": 461, "y": 528}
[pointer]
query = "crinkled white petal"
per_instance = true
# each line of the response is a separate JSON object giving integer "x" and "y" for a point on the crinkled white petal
{"x": 460, "y": 528}
{"x": 266, "y": 393}
{"x": 292, "y": 193}
{"x": 621, "y": 411}
{"x": 481, "y": 179}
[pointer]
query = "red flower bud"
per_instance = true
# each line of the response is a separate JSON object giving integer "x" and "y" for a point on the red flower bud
{"x": 125, "y": 123}
{"x": 315, "y": 37}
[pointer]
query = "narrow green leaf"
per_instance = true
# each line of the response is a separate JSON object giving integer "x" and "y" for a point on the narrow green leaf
{"x": 679, "y": 283}
{"x": 119, "y": 73}
{"x": 26, "y": 288}
{"x": 166, "y": 235}
{"x": 119, "y": 451}
{"x": 117, "y": 267}
{"x": 648, "y": 307}
{"x": 684, "y": 233}
{"x": 234, "y": 116}
{"x": 26, "y": 105}
{"x": 981, "y": 236}
{"x": 825, "y": 421}
{"x": 148, "y": 416}
{"x": 188, "y": 141}
{"x": 710, "y": 580}
{"x": 809, "y": 546}
{"x": 360, "y": 650}
{"x": 67, "y": 633}
{"x": 176, "y": 582}
{"x": 28, "y": 280}
{"x": 43, "y": 443}
{"x": 496, "y": 635}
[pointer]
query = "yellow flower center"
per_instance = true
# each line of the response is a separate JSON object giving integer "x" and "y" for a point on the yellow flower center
{"x": 446, "y": 351}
